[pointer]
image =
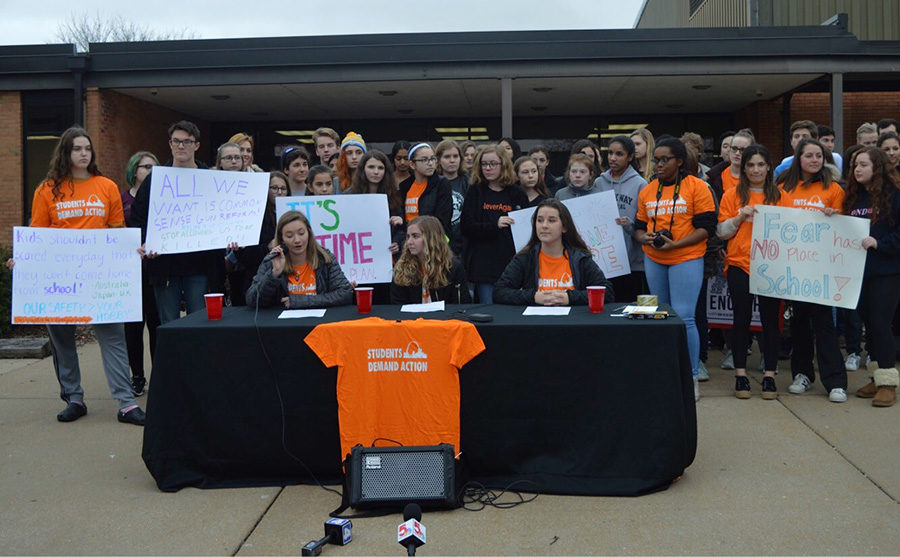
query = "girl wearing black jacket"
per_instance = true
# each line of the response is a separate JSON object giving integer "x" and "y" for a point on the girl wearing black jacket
{"x": 427, "y": 271}
{"x": 301, "y": 273}
{"x": 873, "y": 192}
{"x": 555, "y": 268}
{"x": 425, "y": 192}
{"x": 485, "y": 219}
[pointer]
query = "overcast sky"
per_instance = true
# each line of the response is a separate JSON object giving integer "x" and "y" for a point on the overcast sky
{"x": 35, "y": 22}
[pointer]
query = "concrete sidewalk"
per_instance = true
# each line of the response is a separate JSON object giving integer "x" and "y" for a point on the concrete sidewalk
{"x": 799, "y": 475}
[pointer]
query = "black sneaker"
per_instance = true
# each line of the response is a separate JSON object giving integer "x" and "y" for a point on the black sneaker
{"x": 134, "y": 416}
{"x": 72, "y": 412}
{"x": 741, "y": 386}
{"x": 138, "y": 386}
{"x": 769, "y": 391}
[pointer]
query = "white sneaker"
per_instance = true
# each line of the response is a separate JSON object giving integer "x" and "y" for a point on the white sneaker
{"x": 697, "y": 390}
{"x": 837, "y": 395}
{"x": 800, "y": 384}
{"x": 702, "y": 372}
{"x": 727, "y": 361}
{"x": 852, "y": 362}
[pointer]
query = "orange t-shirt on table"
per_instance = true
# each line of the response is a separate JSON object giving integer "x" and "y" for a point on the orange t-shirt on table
{"x": 84, "y": 203}
{"x": 397, "y": 380}
{"x": 412, "y": 199}
{"x": 554, "y": 273}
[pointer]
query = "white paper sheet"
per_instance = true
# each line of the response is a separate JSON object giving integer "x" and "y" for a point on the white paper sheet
{"x": 298, "y": 313}
{"x": 423, "y": 308}
{"x": 546, "y": 310}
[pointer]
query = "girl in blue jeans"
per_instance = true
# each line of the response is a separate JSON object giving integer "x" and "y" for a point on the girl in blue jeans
{"x": 676, "y": 215}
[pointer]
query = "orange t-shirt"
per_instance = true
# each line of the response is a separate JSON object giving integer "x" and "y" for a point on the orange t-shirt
{"x": 93, "y": 202}
{"x": 693, "y": 199}
{"x": 728, "y": 181}
{"x": 554, "y": 273}
{"x": 738, "y": 253}
{"x": 412, "y": 199}
{"x": 302, "y": 280}
{"x": 813, "y": 197}
{"x": 397, "y": 380}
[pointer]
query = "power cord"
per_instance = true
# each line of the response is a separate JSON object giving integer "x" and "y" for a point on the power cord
{"x": 284, "y": 446}
{"x": 475, "y": 497}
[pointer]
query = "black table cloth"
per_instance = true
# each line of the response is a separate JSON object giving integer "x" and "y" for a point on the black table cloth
{"x": 581, "y": 404}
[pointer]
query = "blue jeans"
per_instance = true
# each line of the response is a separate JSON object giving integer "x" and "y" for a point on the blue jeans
{"x": 485, "y": 293}
{"x": 168, "y": 296}
{"x": 679, "y": 285}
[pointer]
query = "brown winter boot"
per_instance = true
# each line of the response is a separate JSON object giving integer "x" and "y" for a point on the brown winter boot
{"x": 868, "y": 391}
{"x": 887, "y": 381}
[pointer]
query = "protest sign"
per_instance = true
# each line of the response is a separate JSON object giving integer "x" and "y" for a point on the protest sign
{"x": 720, "y": 308}
{"x": 595, "y": 219}
{"x": 66, "y": 276}
{"x": 355, "y": 228}
{"x": 806, "y": 256}
{"x": 196, "y": 209}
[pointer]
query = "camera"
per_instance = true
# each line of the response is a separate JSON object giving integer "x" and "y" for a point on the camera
{"x": 658, "y": 241}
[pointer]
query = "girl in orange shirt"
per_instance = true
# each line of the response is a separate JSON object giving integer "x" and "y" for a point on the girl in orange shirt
{"x": 755, "y": 187}
{"x": 809, "y": 185}
{"x": 73, "y": 176}
{"x": 676, "y": 215}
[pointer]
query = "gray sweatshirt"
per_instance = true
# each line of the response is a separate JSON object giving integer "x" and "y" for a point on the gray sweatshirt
{"x": 626, "y": 187}
{"x": 570, "y": 192}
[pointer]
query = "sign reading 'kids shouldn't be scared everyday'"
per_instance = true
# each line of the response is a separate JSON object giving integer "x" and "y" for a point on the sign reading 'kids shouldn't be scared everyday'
{"x": 803, "y": 255}
{"x": 195, "y": 209}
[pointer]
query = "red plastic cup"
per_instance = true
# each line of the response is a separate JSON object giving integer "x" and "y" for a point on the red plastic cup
{"x": 214, "y": 306}
{"x": 596, "y": 297}
{"x": 364, "y": 299}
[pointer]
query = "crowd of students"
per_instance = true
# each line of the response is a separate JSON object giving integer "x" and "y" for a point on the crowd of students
{"x": 451, "y": 239}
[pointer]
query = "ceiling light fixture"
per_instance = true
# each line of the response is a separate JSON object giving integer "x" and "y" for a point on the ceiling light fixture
{"x": 701, "y": 87}
{"x": 542, "y": 89}
{"x": 220, "y": 97}
{"x": 387, "y": 93}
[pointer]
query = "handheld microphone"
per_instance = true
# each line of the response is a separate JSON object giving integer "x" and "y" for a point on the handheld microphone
{"x": 272, "y": 255}
{"x": 411, "y": 534}
{"x": 337, "y": 532}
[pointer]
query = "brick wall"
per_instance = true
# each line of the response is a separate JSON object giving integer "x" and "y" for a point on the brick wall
{"x": 11, "y": 161}
{"x": 121, "y": 125}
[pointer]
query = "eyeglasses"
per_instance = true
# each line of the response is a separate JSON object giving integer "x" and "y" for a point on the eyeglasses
{"x": 278, "y": 188}
{"x": 145, "y": 166}
{"x": 489, "y": 164}
{"x": 182, "y": 142}
{"x": 426, "y": 160}
{"x": 232, "y": 158}
{"x": 738, "y": 149}
{"x": 662, "y": 160}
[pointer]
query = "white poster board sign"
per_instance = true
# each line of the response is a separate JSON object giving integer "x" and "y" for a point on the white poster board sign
{"x": 720, "y": 308}
{"x": 355, "y": 228}
{"x": 68, "y": 277}
{"x": 595, "y": 219}
{"x": 806, "y": 256}
{"x": 194, "y": 209}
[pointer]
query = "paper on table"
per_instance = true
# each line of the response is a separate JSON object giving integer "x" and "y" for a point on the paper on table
{"x": 639, "y": 310}
{"x": 545, "y": 310}
{"x": 297, "y": 313}
{"x": 423, "y": 308}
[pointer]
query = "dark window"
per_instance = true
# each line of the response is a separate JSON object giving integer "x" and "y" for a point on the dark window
{"x": 45, "y": 115}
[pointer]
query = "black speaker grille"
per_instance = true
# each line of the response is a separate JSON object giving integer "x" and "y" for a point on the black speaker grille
{"x": 402, "y": 475}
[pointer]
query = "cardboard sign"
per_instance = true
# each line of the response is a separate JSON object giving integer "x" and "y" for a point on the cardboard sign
{"x": 65, "y": 276}
{"x": 595, "y": 219}
{"x": 355, "y": 228}
{"x": 195, "y": 209}
{"x": 803, "y": 255}
{"x": 719, "y": 308}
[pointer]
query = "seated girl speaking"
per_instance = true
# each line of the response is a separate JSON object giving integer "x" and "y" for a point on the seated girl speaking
{"x": 555, "y": 267}
{"x": 298, "y": 272}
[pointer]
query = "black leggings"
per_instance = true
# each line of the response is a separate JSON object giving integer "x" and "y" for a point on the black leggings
{"x": 814, "y": 320}
{"x": 742, "y": 304}
{"x": 877, "y": 304}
